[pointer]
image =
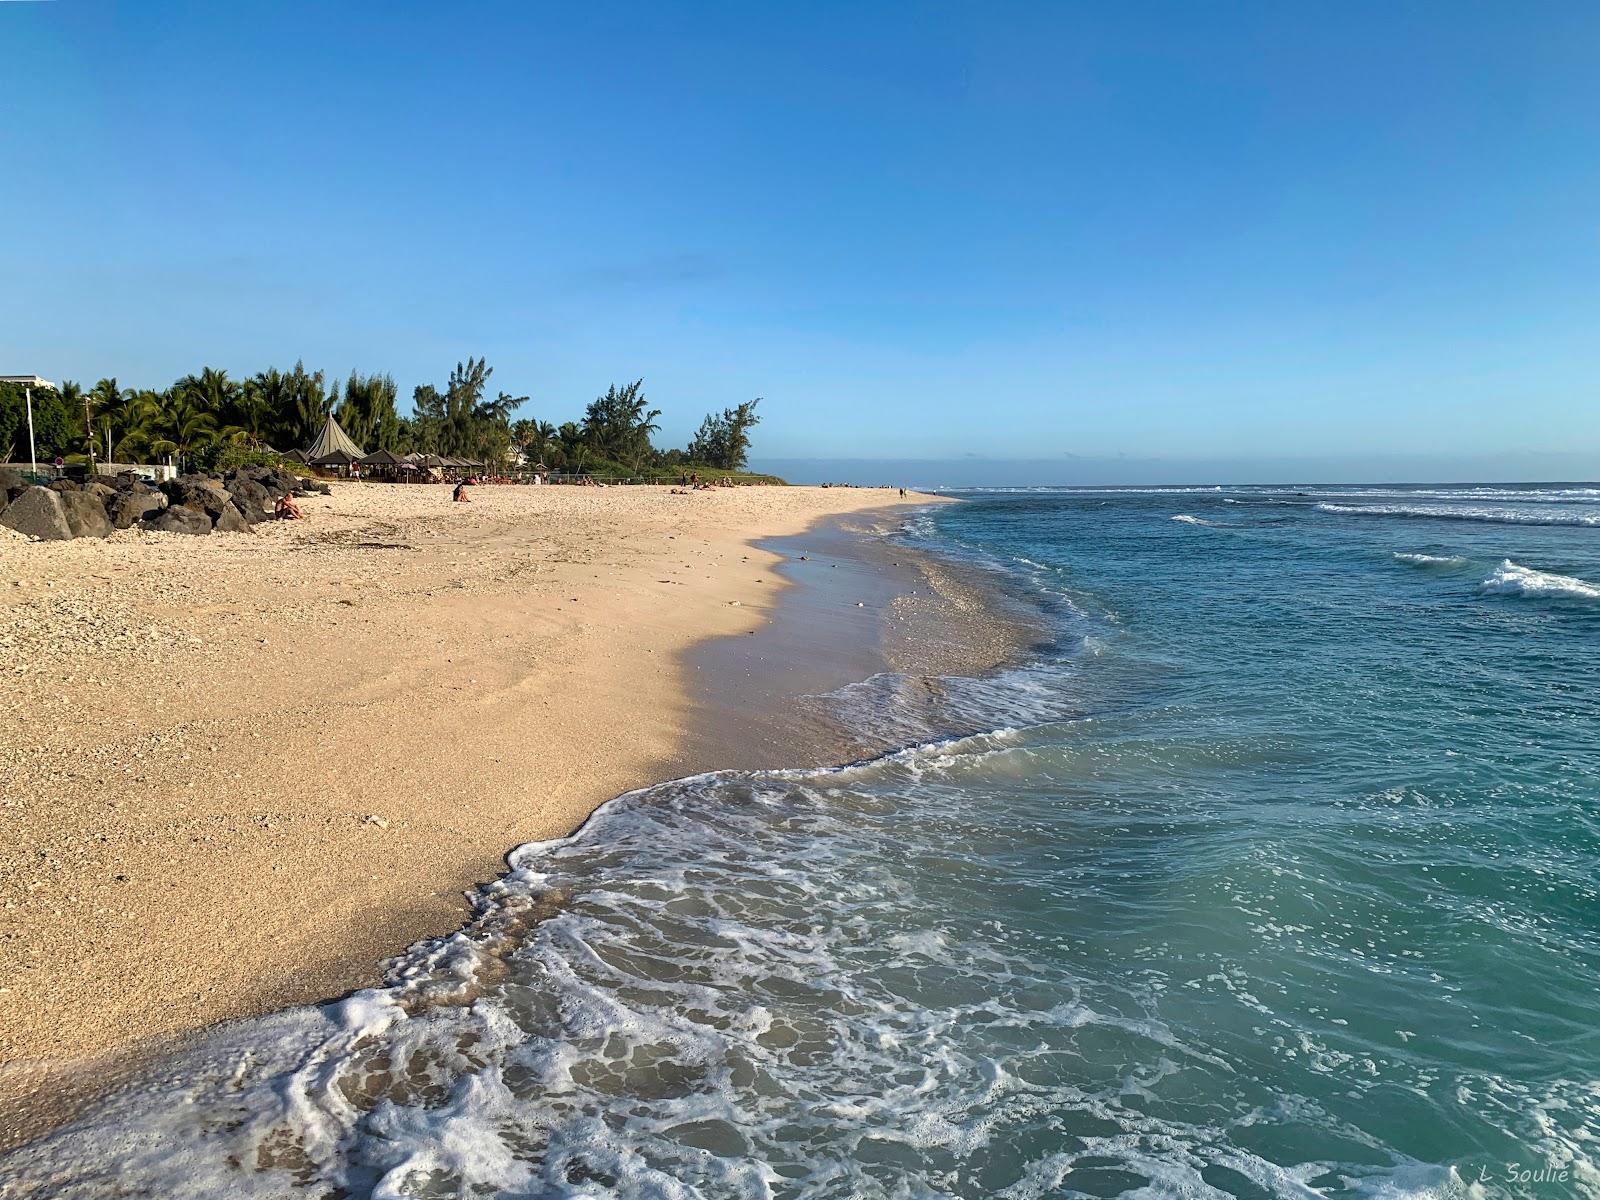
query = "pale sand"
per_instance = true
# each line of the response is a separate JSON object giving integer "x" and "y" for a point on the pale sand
{"x": 238, "y": 772}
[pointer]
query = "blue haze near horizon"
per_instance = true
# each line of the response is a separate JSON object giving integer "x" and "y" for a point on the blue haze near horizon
{"x": 1155, "y": 237}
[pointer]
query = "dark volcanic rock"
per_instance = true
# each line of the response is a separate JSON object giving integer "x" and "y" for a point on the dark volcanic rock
{"x": 180, "y": 518}
{"x": 86, "y": 516}
{"x": 274, "y": 481}
{"x": 251, "y": 498}
{"x": 38, "y": 512}
{"x": 198, "y": 492}
{"x": 62, "y": 485}
{"x": 232, "y": 521}
{"x": 128, "y": 508}
{"x": 10, "y": 479}
{"x": 101, "y": 489}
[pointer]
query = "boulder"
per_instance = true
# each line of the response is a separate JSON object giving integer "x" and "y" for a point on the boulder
{"x": 232, "y": 521}
{"x": 274, "y": 480}
{"x": 251, "y": 498}
{"x": 38, "y": 512}
{"x": 128, "y": 508}
{"x": 101, "y": 489}
{"x": 198, "y": 492}
{"x": 64, "y": 486}
{"x": 180, "y": 518}
{"x": 10, "y": 479}
{"x": 86, "y": 516}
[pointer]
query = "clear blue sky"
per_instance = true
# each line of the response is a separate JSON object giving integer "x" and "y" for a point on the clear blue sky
{"x": 1190, "y": 233}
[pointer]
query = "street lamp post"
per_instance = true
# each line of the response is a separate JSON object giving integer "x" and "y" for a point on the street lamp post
{"x": 29, "y": 382}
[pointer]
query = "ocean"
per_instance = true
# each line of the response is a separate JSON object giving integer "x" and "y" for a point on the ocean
{"x": 1271, "y": 873}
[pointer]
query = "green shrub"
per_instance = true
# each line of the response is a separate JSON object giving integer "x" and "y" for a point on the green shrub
{"x": 221, "y": 457}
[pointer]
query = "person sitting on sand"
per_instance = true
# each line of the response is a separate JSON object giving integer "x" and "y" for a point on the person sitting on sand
{"x": 460, "y": 496}
{"x": 286, "y": 509}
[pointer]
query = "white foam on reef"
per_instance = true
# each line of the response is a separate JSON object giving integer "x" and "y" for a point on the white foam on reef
{"x": 1445, "y": 512}
{"x": 1511, "y": 578}
{"x": 1188, "y": 519}
{"x": 1435, "y": 561}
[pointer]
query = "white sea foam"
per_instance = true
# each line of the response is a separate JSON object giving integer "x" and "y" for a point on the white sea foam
{"x": 1188, "y": 519}
{"x": 1434, "y": 561}
{"x": 1444, "y": 512}
{"x": 1511, "y": 578}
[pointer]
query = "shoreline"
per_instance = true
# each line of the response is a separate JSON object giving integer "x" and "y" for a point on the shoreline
{"x": 637, "y": 661}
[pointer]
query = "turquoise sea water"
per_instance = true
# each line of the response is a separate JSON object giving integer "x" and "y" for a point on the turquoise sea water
{"x": 1274, "y": 874}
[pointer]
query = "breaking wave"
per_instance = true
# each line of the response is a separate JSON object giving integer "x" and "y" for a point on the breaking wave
{"x": 1496, "y": 516}
{"x": 726, "y": 986}
{"x": 1511, "y": 578}
{"x": 1438, "y": 562}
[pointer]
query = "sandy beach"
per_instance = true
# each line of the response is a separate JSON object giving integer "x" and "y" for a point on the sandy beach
{"x": 241, "y": 771}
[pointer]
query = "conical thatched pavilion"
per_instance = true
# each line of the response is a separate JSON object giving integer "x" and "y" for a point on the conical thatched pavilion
{"x": 333, "y": 447}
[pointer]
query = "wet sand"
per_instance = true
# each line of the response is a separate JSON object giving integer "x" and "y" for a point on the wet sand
{"x": 241, "y": 772}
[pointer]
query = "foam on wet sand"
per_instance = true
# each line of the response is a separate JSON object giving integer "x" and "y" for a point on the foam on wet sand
{"x": 240, "y": 772}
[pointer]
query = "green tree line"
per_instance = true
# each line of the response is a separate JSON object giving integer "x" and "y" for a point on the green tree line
{"x": 202, "y": 416}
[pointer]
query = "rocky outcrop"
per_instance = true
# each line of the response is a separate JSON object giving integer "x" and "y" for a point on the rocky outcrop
{"x": 231, "y": 521}
{"x": 127, "y": 508}
{"x": 251, "y": 497}
{"x": 199, "y": 492}
{"x": 39, "y": 513}
{"x": 180, "y": 518}
{"x": 192, "y": 504}
{"x": 86, "y": 516}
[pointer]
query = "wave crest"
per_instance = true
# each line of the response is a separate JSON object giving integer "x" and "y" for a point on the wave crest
{"x": 1493, "y": 516}
{"x": 1513, "y": 579}
{"x": 1442, "y": 562}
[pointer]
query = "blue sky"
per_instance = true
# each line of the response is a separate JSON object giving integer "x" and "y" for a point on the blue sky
{"x": 1195, "y": 236}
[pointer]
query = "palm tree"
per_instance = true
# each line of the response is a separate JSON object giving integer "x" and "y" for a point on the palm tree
{"x": 542, "y": 443}
{"x": 210, "y": 390}
{"x": 308, "y": 404}
{"x": 570, "y": 439}
{"x": 113, "y": 411}
{"x": 180, "y": 425}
